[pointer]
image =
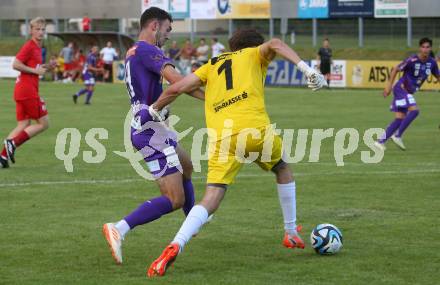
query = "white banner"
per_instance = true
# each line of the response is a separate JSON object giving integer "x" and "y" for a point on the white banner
{"x": 203, "y": 9}
{"x": 391, "y": 8}
{"x": 6, "y": 69}
{"x": 162, "y": 4}
{"x": 338, "y": 77}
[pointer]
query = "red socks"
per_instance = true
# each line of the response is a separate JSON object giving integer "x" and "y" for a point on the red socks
{"x": 20, "y": 139}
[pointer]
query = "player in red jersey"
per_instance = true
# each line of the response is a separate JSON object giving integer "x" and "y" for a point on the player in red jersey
{"x": 29, "y": 105}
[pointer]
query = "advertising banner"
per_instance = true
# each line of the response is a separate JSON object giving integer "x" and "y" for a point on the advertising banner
{"x": 338, "y": 76}
{"x": 179, "y": 9}
{"x": 6, "y": 70}
{"x": 351, "y": 8}
{"x": 391, "y": 8}
{"x": 203, "y": 9}
{"x": 312, "y": 9}
{"x": 284, "y": 73}
{"x": 242, "y": 9}
{"x": 375, "y": 74}
{"x": 119, "y": 71}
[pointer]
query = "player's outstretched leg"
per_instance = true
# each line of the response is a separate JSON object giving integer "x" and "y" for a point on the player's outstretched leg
{"x": 410, "y": 117}
{"x": 197, "y": 217}
{"x": 79, "y": 93}
{"x": 391, "y": 129}
{"x": 287, "y": 196}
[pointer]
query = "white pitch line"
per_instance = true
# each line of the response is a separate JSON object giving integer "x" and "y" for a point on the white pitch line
{"x": 247, "y": 175}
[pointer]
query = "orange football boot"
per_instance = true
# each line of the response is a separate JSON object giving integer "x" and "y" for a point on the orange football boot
{"x": 292, "y": 241}
{"x": 161, "y": 264}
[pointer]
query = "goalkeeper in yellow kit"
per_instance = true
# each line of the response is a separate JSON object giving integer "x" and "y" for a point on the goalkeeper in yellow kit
{"x": 235, "y": 111}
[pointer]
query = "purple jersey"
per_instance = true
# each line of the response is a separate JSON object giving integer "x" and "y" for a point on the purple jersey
{"x": 143, "y": 67}
{"x": 415, "y": 72}
{"x": 90, "y": 61}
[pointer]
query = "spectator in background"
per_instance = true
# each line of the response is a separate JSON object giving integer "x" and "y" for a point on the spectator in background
{"x": 54, "y": 71}
{"x": 108, "y": 55}
{"x": 186, "y": 54}
{"x": 173, "y": 52}
{"x": 59, "y": 69}
{"x": 202, "y": 51}
{"x": 324, "y": 59}
{"x": 86, "y": 23}
{"x": 216, "y": 47}
{"x": 67, "y": 54}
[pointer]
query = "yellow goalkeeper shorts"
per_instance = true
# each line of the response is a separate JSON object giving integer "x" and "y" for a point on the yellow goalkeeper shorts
{"x": 226, "y": 156}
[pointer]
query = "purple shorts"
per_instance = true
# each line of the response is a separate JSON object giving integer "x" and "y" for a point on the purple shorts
{"x": 88, "y": 79}
{"x": 158, "y": 147}
{"x": 402, "y": 100}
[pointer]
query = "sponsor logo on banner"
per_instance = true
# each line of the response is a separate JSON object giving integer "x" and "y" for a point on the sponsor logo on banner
{"x": 118, "y": 71}
{"x": 351, "y": 8}
{"x": 284, "y": 73}
{"x": 375, "y": 74}
{"x": 313, "y": 8}
{"x": 391, "y": 8}
{"x": 337, "y": 73}
{"x": 242, "y": 9}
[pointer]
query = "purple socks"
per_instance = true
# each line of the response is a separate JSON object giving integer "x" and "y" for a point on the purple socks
{"x": 89, "y": 96}
{"x": 157, "y": 207}
{"x": 391, "y": 129}
{"x": 149, "y": 211}
{"x": 406, "y": 122}
{"x": 189, "y": 196}
{"x": 81, "y": 92}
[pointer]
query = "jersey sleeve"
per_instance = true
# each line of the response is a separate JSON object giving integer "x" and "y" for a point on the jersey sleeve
{"x": 202, "y": 72}
{"x": 264, "y": 61}
{"x": 153, "y": 59}
{"x": 404, "y": 64}
{"x": 24, "y": 53}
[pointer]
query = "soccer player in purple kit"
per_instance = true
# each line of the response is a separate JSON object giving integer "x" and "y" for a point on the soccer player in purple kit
{"x": 145, "y": 66}
{"x": 416, "y": 70}
{"x": 88, "y": 74}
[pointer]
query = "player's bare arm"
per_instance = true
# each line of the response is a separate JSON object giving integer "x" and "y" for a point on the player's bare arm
{"x": 186, "y": 85}
{"x": 20, "y": 66}
{"x": 274, "y": 47}
{"x": 172, "y": 76}
{"x": 389, "y": 85}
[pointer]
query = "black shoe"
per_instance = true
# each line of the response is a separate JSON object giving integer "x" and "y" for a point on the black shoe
{"x": 87, "y": 103}
{"x": 4, "y": 162}
{"x": 75, "y": 98}
{"x": 10, "y": 150}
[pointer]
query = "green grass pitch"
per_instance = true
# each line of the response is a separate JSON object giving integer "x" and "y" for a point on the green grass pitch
{"x": 388, "y": 212}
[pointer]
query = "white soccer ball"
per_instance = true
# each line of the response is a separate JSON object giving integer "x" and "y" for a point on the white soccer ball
{"x": 326, "y": 239}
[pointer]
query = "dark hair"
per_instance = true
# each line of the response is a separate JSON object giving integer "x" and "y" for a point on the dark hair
{"x": 215, "y": 39}
{"x": 425, "y": 40}
{"x": 245, "y": 38}
{"x": 154, "y": 13}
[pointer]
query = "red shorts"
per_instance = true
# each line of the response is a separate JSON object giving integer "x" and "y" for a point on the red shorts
{"x": 34, "y": 108}
{"x": 68, "y": 66}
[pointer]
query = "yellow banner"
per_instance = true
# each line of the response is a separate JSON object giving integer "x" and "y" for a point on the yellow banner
{"x": 375, "y": 74}
{"x": 242, "y": 9}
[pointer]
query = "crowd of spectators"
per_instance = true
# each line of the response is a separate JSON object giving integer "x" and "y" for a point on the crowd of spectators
{"x": 187, "y": 58}
{"x": 69, "y": 63}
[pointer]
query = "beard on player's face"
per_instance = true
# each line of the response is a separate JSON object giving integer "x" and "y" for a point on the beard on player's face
{"x": 162, "y": 33}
